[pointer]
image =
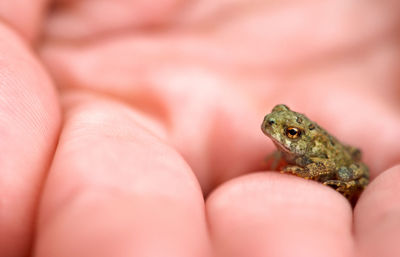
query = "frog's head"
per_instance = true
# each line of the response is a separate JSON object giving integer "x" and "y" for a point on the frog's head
{"x": 290, "y": 131}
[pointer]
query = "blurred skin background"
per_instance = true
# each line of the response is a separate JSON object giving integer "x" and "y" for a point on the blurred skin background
{"x": 132, "y": 127}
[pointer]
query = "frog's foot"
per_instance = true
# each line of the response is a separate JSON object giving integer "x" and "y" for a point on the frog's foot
{"x": 349, "y": 189}
{"x": 338, "y": 185}
{"x": 298, "y": 171}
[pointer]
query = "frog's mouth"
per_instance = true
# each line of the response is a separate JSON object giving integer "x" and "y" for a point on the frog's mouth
{"x": 280, "y": 147}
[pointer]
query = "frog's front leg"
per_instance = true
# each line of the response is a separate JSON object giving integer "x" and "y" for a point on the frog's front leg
{"x": 274, "y": 159}
{"x": 317, "y": 169}
{"x": 297, "y": 170}
{"x": 312, "y": 171}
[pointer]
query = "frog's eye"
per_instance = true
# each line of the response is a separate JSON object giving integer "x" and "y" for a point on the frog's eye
{"x": 292, "y": 132}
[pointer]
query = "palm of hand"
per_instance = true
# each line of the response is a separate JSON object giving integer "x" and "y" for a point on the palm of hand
{"x": 163, "y": 108}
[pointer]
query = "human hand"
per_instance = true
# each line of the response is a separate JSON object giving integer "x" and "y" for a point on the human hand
{"x": 164, "y": 107}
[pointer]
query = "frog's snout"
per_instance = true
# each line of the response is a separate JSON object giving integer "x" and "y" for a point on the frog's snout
{"x": 267, "y": 123}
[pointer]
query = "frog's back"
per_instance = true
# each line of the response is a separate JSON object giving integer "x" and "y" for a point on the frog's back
{"x": 327, "y": 146}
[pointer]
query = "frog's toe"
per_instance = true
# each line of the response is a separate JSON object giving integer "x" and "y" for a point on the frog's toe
{"x": 336, "y": 184}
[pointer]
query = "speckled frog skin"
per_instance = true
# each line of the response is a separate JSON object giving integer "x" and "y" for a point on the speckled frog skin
{"x": 312, "y": 153}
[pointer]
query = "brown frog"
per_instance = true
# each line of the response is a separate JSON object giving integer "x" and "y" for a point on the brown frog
{"x": 312, "y": 153}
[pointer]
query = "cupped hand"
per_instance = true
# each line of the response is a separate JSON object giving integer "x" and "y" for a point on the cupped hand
{"x": 130, "y": 128}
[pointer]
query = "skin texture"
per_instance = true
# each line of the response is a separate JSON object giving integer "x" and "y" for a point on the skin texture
{"x": 312, "y": 153}
{"x": 138, "y": 134}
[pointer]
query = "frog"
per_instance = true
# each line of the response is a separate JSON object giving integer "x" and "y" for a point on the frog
{"x": 310, "y": 152}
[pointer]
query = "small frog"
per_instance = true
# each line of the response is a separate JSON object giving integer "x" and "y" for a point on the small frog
{"x": 312, "y": 153}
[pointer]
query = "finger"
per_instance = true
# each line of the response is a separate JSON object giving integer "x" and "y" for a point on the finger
{"x": 29, "y": 122}
{"x": 377, "y": 216}
{"x": 25, "y": 16}
{"x": 349, "y": 26}
{"x": 83, "y": 19}
{"x": 270, "y": 214}
{"x": 115, "y": 189}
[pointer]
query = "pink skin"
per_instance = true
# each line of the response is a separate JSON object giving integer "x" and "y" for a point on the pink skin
{"x": 155, "y": 121}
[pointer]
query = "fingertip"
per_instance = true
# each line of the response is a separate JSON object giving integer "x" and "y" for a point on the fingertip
{"x": 254, "y": 214}
{"x": 121, "y": 187}
{"x": 377, "y": 222}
